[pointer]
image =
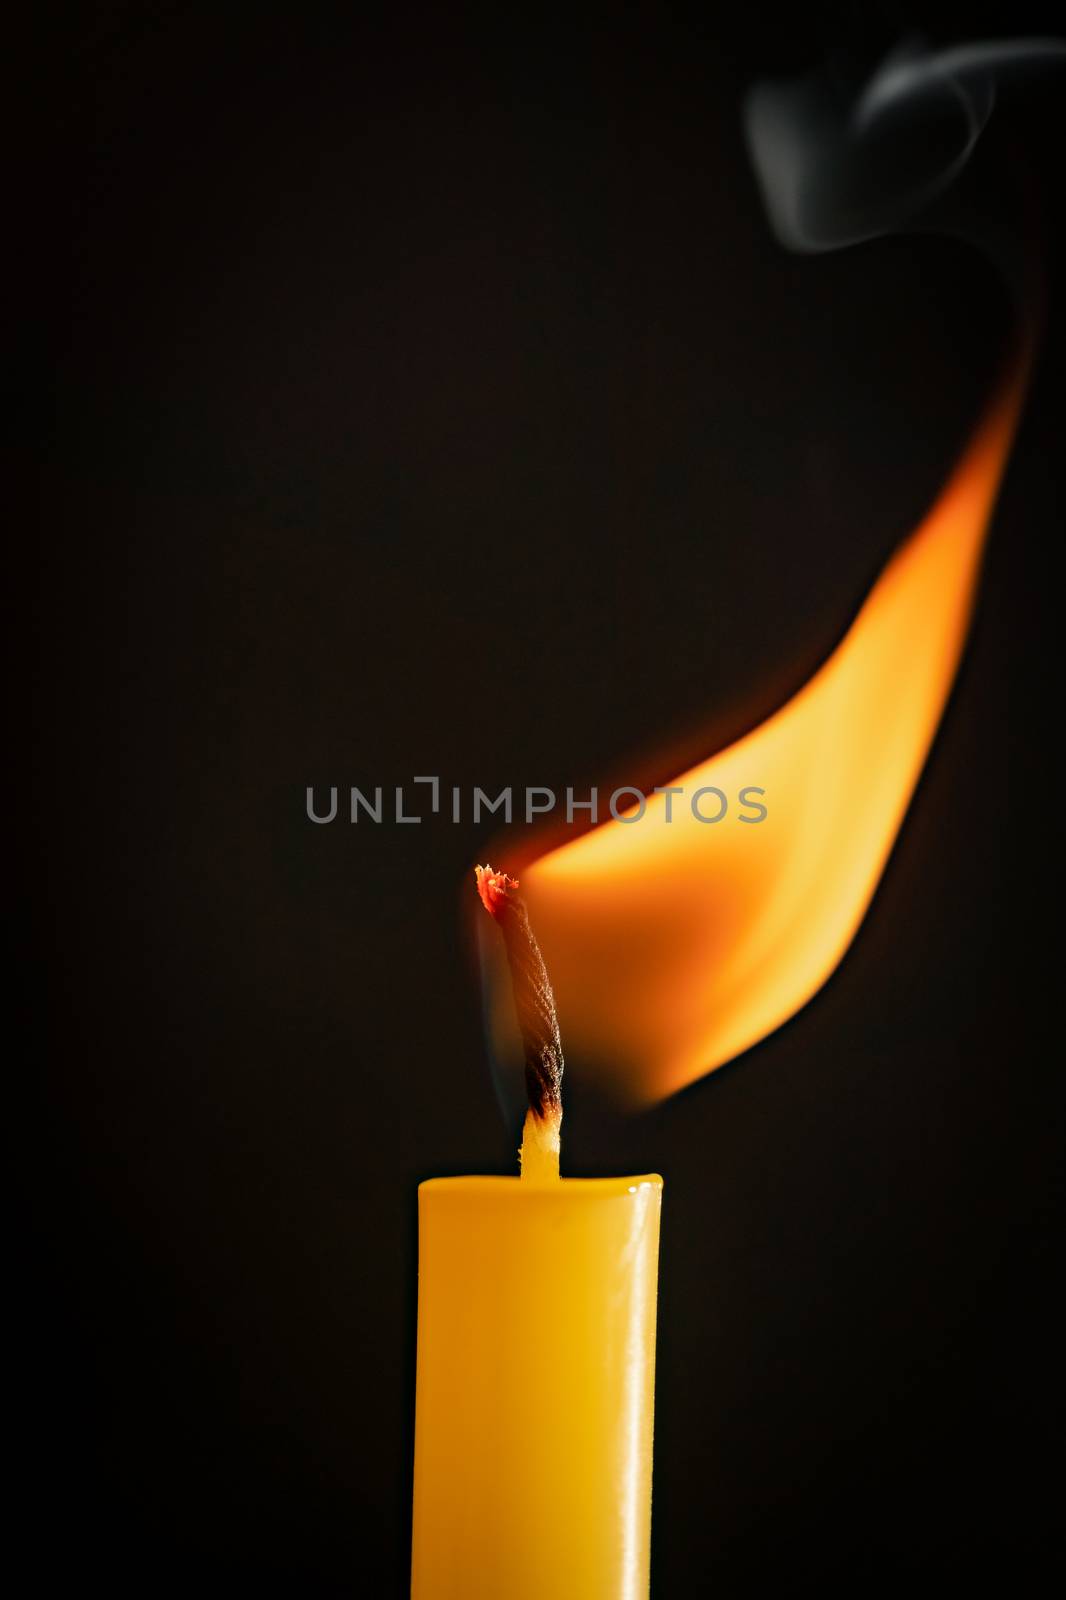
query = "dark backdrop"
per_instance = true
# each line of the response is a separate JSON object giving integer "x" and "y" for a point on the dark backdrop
{"x": 430, "y": 397}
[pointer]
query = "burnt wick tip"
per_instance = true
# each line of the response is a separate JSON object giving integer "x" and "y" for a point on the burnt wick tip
{"x": 495, "y": 888}
{"x": 533, "y": 999}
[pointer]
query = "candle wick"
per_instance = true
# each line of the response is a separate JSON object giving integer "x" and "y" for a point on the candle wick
{"x": 537, "y": 1023}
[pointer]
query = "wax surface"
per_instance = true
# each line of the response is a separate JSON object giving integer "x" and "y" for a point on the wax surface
{"x": 536, "y": 1365}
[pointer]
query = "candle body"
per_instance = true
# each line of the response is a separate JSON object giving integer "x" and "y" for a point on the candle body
{"x": 536, "y": 1365}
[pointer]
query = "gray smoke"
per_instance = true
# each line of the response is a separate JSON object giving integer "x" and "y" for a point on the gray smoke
{"x": 839, "y": 162}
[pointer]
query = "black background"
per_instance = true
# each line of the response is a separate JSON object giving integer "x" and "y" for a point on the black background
{"x": 431, "y": 397}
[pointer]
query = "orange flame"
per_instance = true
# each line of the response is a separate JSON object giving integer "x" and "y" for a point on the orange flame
{"x": 673, "y": 946}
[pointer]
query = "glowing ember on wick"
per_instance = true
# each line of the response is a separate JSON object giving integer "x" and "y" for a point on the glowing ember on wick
{"x": 537, "y": 1023}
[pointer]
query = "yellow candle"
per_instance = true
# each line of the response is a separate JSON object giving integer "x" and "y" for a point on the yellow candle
{"x": 536, "y": 1352}
{"x": 536, "y": 1360}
